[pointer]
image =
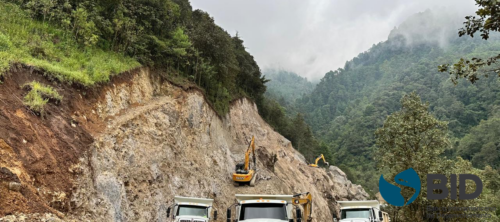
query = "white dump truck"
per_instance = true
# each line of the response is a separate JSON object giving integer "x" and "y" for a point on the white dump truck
{"x": 360, "y": 211}
{"x": 190, "y": 209}
{"x": 270, "y": 208}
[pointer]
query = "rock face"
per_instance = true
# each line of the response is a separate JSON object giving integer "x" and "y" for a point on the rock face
{"x": 347, "y": 190}
{"x": 161, "y": 141}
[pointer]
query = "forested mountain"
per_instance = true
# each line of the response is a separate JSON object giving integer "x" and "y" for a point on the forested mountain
{"x": 286, "y": 86}
{"x": 350, "y": 103}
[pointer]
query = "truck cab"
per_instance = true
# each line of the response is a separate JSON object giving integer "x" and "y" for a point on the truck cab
{"x": 262, "y": 208}
{"x": 190, "y": 209}
{"x": 360, "y": 211}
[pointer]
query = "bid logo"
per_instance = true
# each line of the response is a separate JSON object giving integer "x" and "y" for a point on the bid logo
{"x": 409, "y": 178}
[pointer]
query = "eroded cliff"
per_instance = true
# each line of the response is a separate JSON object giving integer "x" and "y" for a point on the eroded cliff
{"x": 149, "y": 141}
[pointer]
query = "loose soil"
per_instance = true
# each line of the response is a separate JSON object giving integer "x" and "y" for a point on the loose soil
{"x": 43, "y": 149}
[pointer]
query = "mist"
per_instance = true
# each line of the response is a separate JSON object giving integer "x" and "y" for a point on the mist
{"x": 311, "y": 38}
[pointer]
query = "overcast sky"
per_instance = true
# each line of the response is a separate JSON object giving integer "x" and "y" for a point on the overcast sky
{"x": 312, "y": 37}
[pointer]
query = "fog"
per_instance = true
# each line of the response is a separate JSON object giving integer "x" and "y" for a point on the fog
{"x": 313, "y": 37}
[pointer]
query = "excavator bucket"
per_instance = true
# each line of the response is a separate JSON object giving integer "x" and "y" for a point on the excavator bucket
{"x": 252, "y": 182}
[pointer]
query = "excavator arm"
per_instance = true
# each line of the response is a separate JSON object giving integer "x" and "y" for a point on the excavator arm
{"x": 306, "y": 203}
{"x": 250, "y": 150}
{"x": 318, "y": 159}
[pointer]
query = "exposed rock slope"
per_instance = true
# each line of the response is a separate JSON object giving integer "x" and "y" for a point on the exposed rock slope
{"x": 158, "y": 140}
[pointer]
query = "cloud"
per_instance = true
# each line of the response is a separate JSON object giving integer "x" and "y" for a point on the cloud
{"x": 314, "y": 37}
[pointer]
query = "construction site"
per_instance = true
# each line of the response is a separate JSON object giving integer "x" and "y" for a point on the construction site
{"x": 129, "y": 149}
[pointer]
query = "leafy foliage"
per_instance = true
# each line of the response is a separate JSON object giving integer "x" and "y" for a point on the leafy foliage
{"x": 349, "y": 104}
{"x": 482, "y": 145}
{"x": 487, "y": 20}
{"x": 96, "y": 39}
{"x": 295, "y": 129}
{"x": 39, "y": 95}
{"x": 34, "y": 43}
{"x": 413, "y": 138}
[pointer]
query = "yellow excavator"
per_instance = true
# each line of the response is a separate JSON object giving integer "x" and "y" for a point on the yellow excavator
{"x": 244, "y": 173}
{"x": 317, "y": 160}
{"x": 306, "y": 203}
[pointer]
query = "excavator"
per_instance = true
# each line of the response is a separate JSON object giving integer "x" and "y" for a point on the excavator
{"x": 306, "y": 203}
{"x": 244, "y": 173}
{"x": 317, "y": 160}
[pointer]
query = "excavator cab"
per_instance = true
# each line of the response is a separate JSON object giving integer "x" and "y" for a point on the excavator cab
{"x": 243, "y": 172}
{"x": 240, "y": 168}
{"x": 317, "y": 160}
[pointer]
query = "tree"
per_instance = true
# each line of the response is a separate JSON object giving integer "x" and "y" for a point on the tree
{"x": 216, "y": 45}
{"x": 482, "y": 145}
{"x": 487, "y": 20}
{"x": 249, "y": 77}
{"x": 413, "y": 138}
{"x": 83, "y": 29}
{"x": 493, "y": 182}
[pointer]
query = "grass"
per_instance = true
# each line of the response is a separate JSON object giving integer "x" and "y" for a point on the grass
{"x": 31, "y": 42}
{"x": 39, "y": 96}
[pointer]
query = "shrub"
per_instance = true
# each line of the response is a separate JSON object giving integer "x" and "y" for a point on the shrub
{"x": 39, "y": 95}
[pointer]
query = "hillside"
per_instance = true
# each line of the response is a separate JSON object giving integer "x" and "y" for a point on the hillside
{"x": 121, "y": 152}
{"x": 349, "y": 104}
{"x": 108, "y": 109}
{"x": 87, "y": 42}
{"x": 285, "y": 86}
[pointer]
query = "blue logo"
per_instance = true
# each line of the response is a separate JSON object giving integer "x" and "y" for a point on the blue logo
{"x": 392, "y": 193}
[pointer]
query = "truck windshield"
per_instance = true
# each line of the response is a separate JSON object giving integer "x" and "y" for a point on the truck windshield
{"x": 192, "y": 211}
{"x": 356, "y": 213}
{"x": 263, "y": 211}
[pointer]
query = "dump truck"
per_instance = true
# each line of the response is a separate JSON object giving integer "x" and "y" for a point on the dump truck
{"x": 361, "y": 211}
{"x": 271, "y": 208}
{"x": 190, "y": 209}
{"x": 385, "y": 217}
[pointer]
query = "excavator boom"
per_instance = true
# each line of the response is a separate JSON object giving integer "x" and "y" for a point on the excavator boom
{"x": 317, "y": 160}
{"x": 250, "y": 150}
{"x": 306, "y": 202}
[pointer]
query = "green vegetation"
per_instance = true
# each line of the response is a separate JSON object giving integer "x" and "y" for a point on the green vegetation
{"x": 277, "y": 108}
{"x": 412, "y": 138}
{"x": 295, "y": 129}
{"x": 348, "y": 105}
{"x": 286, "y": 86}
{"x": 39, "y": 95}
{"x": 88, "y": 41}
{"x": 486, "y": 20}
{"x": 482, "y": 144}
{"x": 35, "y": 43}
